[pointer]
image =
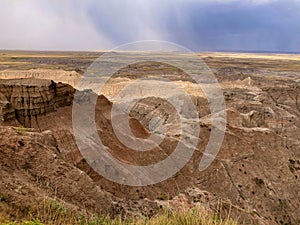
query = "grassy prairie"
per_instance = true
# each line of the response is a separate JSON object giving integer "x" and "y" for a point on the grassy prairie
{"x": 21, "y": 60}
{"x": 25, "y": 60}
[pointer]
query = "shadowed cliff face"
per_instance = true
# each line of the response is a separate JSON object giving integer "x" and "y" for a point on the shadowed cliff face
{"x": 27, "y": 99}
{"x": 257, "y": 168}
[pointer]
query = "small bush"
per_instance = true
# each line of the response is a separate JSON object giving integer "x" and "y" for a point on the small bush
{"x": 21, "y": 130}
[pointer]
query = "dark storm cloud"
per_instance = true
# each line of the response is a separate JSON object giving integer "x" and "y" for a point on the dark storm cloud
{"x": 214, "y": 25}
{"x": 240, "y": 26}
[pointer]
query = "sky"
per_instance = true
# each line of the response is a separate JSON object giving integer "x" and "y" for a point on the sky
{"x": 200, "y": 25}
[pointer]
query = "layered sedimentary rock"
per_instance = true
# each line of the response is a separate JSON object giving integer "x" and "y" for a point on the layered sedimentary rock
{"x": 27, "y": 99}
{"x": 67, "y": 77}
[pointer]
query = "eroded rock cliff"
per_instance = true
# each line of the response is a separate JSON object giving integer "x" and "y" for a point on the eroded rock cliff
{"x": 27, "y": 99}
{"x": 257, "y": 168}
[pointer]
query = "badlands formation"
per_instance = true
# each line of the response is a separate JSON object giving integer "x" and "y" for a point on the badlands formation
{"x": 255, "y": 176}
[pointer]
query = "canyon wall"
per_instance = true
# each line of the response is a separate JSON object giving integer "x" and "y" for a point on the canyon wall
{"x": 27, "y": 99}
